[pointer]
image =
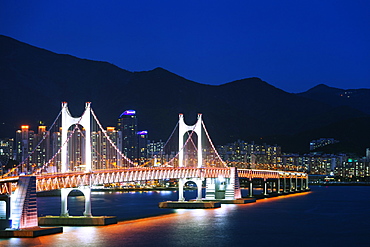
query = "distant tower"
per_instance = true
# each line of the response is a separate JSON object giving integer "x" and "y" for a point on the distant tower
{"x": 127, "y": 125}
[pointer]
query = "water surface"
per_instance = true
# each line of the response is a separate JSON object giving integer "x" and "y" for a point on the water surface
{"x": 327, "y": 216}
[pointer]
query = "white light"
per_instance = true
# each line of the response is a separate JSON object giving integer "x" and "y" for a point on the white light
{"x": 221, "y": 178}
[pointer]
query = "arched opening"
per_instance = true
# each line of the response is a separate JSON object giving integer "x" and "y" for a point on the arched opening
{"x": 80, "y": 199}
{"x": 190, "y": 190}
{"x": 76, "y": 203}
{"x": 76, "y": 148}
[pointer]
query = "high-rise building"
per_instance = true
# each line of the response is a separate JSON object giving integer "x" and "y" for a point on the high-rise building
{"x": 24, "y": 145}
{"x": 127, "y": 126}
{"x": 104, "y": 155}
{"x": 6, "y": 153}
{"x": 142, "y": 146}
{"x": 42, "y": 152}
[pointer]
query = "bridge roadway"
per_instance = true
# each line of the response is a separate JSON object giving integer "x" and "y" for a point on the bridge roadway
{"x": 55, "y": 181}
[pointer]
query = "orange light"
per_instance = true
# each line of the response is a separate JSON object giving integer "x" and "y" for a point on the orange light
{"x": 110, "y": 129}
{"x": 24, "y": 127}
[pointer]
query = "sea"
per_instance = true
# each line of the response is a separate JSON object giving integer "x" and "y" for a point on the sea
{"x": 324, "y": 216}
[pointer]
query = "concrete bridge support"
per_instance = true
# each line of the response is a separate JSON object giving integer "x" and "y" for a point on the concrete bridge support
{"x": 224, "y": 188}
{"x": 215, "y": 188}
{"x": 23, "y": 204}
{"x": 183, "y": 181}
{"x": 67, "y": 122}
{"x": 264, "y": 185}
{"x": 86, "y": 190}
{"x": 250, "y": 190}
{"x": 306, "y": 186}
{"x": 5, "y": 221}
{"x": 302, "y": 182}
{"x": 291, "y": 184}
{"x": 284, "y": 184}
{"x": 233, "y": 186}
{"x": 296, "y": 183}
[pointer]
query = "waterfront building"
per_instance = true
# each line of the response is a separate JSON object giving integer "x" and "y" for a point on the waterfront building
{"x": 354, "y": 169}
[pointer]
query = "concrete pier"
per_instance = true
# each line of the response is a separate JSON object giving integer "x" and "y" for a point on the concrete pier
{"x": 31, "y": 232}
{"x": 77, "y": 221}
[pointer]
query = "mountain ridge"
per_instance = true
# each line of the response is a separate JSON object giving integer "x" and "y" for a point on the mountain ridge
{"x": 248, "y": 109}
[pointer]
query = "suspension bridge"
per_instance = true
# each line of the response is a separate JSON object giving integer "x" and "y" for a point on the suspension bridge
{"x": 87, "y": 155}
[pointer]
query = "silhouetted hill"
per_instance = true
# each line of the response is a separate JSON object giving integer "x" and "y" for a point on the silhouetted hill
{"x": 352, "y": 134}
{"x": 355, "y": 98}
{"x": 35, "y": 81}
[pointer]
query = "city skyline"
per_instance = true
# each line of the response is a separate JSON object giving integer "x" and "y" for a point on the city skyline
{"x": 292, "y": 45}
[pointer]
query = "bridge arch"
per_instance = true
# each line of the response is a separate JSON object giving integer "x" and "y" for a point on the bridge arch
{"x": 86, "y": 191}
{"x": 183, "y": 181}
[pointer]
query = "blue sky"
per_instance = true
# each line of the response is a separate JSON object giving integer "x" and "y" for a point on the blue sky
{"x": 293, "y": 45}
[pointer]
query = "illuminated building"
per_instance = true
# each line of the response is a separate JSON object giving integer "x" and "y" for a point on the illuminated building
{"x": 6, "y": 153}
{"x": 155, "y": 148}
{"x": 250, "y": 155}
{"x": 127, "y": 125}
{"x": 104, "y": 155}
{"x": 142, "y": 146}
{"x": 24, "y": 145}
{"x": 42, "y": 152}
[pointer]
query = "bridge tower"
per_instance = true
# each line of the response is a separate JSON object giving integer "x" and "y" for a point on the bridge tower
{"x": 183, "y": 129}
{"x": 68, "y": 121}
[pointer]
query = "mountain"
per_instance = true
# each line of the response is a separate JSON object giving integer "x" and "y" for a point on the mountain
{"x": 356, "y": 98}
{"x": 34, "y": 82}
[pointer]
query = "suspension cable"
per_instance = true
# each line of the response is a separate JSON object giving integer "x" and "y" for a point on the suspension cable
{"x": 59, "y": 150}
{"x": 182, "y": 146}
{"x": 213, "y": 147}
{"x": 173, "y": 131}
{"x": 38, "y": 144}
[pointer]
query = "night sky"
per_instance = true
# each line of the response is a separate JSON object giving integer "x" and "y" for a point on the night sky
{"x": 293, "y": 45}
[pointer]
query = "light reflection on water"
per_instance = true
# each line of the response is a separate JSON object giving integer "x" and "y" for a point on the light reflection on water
{"x": 328, "y": 216}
